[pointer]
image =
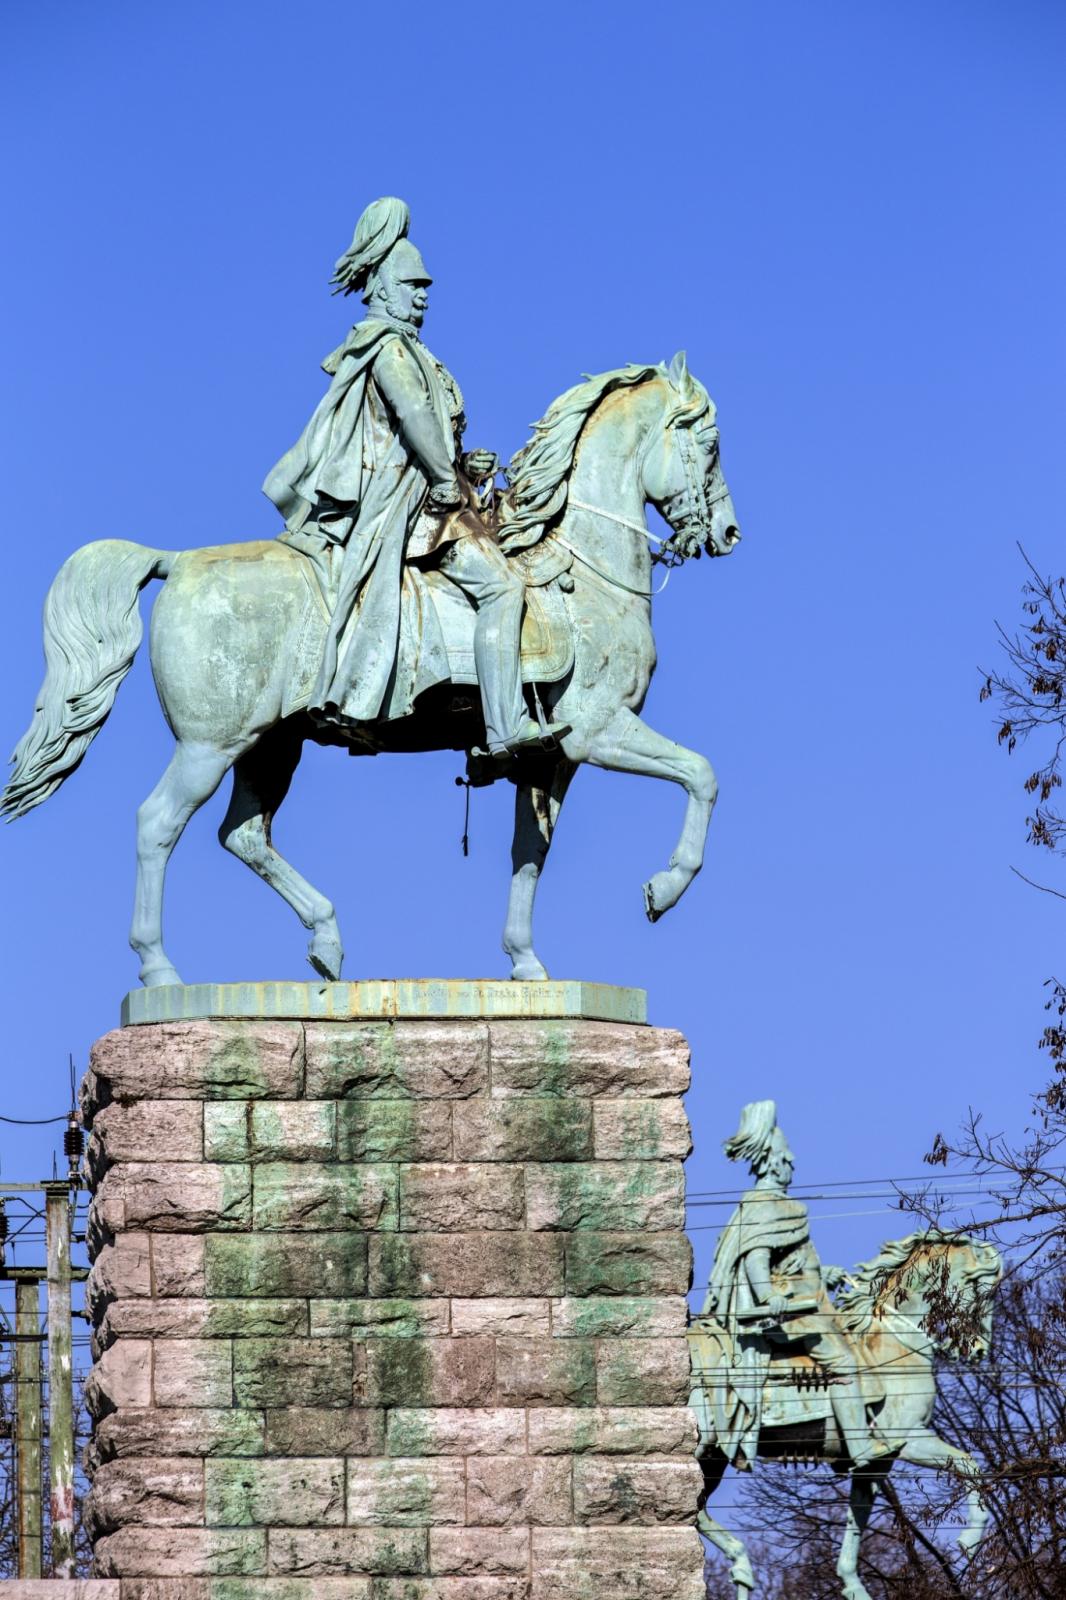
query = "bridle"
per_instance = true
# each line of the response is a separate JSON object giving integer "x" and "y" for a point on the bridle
{"x": 693, "y": 495}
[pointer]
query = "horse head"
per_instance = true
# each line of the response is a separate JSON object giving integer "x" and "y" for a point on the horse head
{"x": 942, "y": 1281}
{"x": 682, "y": 470}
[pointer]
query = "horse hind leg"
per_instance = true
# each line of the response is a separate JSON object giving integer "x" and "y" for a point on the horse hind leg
{"x": 536, "y": 814}
{"x": 261, "y": 781}
{"x": 734, "y": 1551}
{"x": 194, "y": 773}
{"x": 731, "y": 1547}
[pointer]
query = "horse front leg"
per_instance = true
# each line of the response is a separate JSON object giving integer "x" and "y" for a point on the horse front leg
{"x": 734, "y": 1550}
{"x": 928, "y": 1449}
{"x": 537, "y": 810}
{"x": 860, "y": 1503}
{"x": 627, "y": 744}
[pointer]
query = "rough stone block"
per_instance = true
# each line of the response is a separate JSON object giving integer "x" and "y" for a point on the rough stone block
{"x": 285, "y": 1588}
{"x": 614, "y": 1490}
{"x": 191, "y": 1372}
{"x": 59, "y": 1589}
{"x": 299, "y": 1196}
{"x": 394, "y": 1130}
{"x": 226, "y": 1136}
{"x": 508, "y": 1489}
{"x": 292, "y": 1372}
{"x": 545, "y": 1371}
{"x": 301, "y": 1130}
{"x": 120, "y": 1270}
{"x": 606, "y": 1195}
{"x": 176, "y": 1431}
{"x": 635, "y": 1563}
{"x": 640, "y": 1130}
{"x": 449, "y": 1589}
{"x": 325, "y": 1431}
{"x": 612, "y": 1430}
{"x": 198, "y": 1061}
{"x": 456, "y": 1197}
{"x": 642, "y": 1372}
{"x": 502, "y": 1264}
{"x": 121, "y": 1377}
{"x": 316, "y": 1553}
{"x": 168, "y": 1130}
{"x": 289, "y": 1589}
{"x": 404, "y": 1492}
{"x": 173, "y": 1197}
{"x": 148, "y": 1493}
{"x": 608, "y": 1316}
{"x": 332, "y": 1265}
{"x": 423, "y": 1061}
{"x": 181, "y": 1552}
{"x": 177, "y": 1264}
{"x": 287, "y": 1494}
{"x": 540, "y": 1128}
{"x": 456, "y": 1430}
{"x": 420, "y": 1372}
{"x": 371, "y": 1319}
{"x": 501, "y": 1317}
{"x": 205, "y": 1319}
{"x": 587, "y": 1058}
{"x": 478, "y": 1552}
{"x": 627, "y": 1263}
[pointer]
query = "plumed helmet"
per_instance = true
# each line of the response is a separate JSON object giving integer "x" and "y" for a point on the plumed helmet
{"x": 405, "y": 261}
{"x": 382, "y": 225}
{"x": 754, "y": 1138}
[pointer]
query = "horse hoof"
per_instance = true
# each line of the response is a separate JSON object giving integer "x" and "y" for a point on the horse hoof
{"x": 527, "y": 969}
{"x": 158, "y": 977}
{"x": 326, "y": 955}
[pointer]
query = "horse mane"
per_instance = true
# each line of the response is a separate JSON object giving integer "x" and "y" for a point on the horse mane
{"x": 874, "y": 1281}
{"x": 538, "y": 472}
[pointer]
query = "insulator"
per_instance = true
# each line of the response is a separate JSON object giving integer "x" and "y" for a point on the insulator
{"x": 3, "y": 1223}
{"x": 73, "y": 1143}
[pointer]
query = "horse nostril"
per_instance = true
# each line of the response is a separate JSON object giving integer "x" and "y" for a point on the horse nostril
{"x": 732, "y": 536}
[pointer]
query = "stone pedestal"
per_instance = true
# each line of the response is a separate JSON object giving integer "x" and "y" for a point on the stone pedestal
{"x": 391, "y": 1310}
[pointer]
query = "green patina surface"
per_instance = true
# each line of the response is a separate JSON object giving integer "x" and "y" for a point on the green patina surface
{"x": 609, "y": 1195}
{"x": 382, "y": 1130}
{"x": 287, "y": 1372}
{"x": 405, "y": 1376}
{"x": 327, "y": 1264}
{"x": 549, "y": 1128}
{"x": 388, "y": 999}
{"x": 311, "y": 1195}
{"x": 233, "y": 1068}
{"x": 601, "y": 1317}
{"x": 633, "y": 1264}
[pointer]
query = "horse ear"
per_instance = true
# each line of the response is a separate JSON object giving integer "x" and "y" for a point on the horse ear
{"x": 679, "y": 373}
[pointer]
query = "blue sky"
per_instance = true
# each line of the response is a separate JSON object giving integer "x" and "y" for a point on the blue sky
{"x": 852, "y": 219}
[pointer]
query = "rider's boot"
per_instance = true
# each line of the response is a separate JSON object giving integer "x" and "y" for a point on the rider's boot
{"x": 483, "y": 572}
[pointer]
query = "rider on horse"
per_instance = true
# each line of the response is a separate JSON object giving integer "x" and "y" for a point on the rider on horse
{"x": 768, "y": 1292}
{"x": 377, "y": 479}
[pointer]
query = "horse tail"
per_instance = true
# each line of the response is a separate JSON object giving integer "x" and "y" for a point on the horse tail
{"x": 92, "y": 627}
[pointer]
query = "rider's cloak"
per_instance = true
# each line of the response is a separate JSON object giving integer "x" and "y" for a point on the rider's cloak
{"x": 355, "y": 479}
{"x": 734, "y": 1364}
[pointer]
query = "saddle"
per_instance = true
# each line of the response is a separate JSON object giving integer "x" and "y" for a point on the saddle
{"x": 436, "y": 636}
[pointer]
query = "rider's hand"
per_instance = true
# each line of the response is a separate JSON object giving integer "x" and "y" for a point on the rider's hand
{"x": 444, "y": 496}
{"x": 777, "y": 1304}
{"x": 481, "y": 464}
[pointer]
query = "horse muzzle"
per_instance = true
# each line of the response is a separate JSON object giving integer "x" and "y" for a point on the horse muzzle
{"x": 724, "y": 543}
